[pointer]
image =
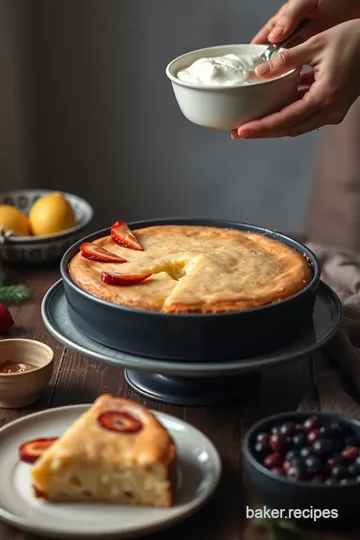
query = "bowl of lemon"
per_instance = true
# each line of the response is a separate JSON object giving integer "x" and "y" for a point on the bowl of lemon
{"x": 38, "y": 225}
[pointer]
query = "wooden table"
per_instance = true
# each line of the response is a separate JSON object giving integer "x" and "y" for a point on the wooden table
{"x": 79, "y": 380}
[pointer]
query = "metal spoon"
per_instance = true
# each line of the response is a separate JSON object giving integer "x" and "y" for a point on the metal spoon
{"x": 275, "y": 47}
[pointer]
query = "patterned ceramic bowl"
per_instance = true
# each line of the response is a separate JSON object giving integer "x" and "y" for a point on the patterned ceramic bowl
{"x": 41, "y": 249}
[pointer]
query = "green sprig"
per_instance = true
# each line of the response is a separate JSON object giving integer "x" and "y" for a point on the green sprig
{"x": 14, "y": 294}
{"x": 275, "y": 526}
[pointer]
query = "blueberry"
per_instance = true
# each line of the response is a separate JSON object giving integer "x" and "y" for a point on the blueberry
{"x": 299, "y": 440}
{"x": 313, "y": 465}
{"x": 292, "y": 454}
{"x": 296, "y": 472}
{"x": 331, "y": 482}
{"x": 340, "y": 472}
{"x": 275, "y": 430}
{"x": 306, "y": 452}
{"x": 297, "y": 462}
{"x": 354, "y": 470}
{"x": 356, "y": 466}
{"x": 262, "y": 450}
{"x": 339, "y": 430}
{"x": 324, "y": 447}
{"x": 287, "y": 429}
{"x": 263, "y": 438}
{"x": 326, "y": 432}
{"x": 345, "y": 481}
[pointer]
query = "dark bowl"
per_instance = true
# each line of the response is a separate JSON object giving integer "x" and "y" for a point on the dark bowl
{"x": 278, "y": 492}
{"x": 192, "y": 337}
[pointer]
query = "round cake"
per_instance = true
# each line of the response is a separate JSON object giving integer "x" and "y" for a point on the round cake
{"x": 189, "y": 269}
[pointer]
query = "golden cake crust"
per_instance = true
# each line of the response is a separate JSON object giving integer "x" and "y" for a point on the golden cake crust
{"x": 86, "y": 442}
{"x": 197, "y": 269}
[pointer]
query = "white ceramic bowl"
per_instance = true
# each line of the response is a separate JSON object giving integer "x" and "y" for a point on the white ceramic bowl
{"x": 22, "y": 389}
{"x": 43, "y": 249}
{"x": 229, "y": 107}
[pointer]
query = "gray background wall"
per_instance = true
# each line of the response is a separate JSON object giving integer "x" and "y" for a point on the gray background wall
{"x": 90, "y": 110}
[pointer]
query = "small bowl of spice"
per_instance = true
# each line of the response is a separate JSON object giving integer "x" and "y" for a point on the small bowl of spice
{"x": 26, "y": 367}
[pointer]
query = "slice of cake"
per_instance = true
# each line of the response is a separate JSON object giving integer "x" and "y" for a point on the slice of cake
{"x": 116, "y": 452}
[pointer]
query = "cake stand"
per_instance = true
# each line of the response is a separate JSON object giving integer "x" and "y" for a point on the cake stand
{"x": 193, "y": 383}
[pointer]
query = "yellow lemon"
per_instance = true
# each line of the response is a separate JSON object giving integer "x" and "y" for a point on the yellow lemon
{"x": 12, "y": 219}
{"x": 51, "y": 214}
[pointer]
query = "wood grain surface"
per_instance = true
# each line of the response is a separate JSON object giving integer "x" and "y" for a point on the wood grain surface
{"x": 78, "y": 380}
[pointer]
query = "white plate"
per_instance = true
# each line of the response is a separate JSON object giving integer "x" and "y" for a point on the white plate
{"x": 199, "y": 468}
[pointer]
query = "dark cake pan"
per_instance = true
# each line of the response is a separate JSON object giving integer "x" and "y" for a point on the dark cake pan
{"x": 192, "y": 337}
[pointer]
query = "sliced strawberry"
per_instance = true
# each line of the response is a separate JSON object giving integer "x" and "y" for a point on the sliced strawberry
{"x": 96, "y": 253}
{"x": 30, "y": 451}
{"x": 122, "y": 422}
{"x": 123, "y": 279}
{"x": 121, "y": 235}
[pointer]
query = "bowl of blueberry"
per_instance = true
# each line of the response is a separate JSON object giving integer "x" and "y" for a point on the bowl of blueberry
{"x": 301, "y": 461}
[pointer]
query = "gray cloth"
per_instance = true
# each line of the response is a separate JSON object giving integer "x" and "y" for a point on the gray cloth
{"x": 333, "y": 216}
{"x": 333, "y": 224}
{"x": 336, "y": 368}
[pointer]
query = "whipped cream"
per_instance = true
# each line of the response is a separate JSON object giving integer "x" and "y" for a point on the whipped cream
{"x": 228, "y": 70}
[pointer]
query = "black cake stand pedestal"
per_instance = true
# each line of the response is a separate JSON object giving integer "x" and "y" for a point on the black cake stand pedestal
{"x": 193, "y": 383}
